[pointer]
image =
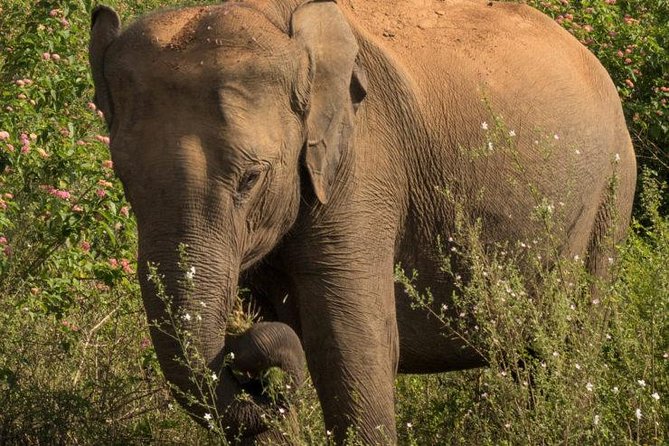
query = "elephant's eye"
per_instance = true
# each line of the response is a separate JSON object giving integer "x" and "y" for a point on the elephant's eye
{"x": 248, "y": 180}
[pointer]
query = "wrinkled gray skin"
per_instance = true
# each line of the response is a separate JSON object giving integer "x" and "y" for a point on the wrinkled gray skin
{"x": 295, "y": 152}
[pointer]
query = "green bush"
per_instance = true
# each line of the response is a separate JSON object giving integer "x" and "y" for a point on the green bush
{"x": 76, "y": 365}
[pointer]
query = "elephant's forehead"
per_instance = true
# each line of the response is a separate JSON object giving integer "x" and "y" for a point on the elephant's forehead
{"x": 233, "y": 25}
{"x": 226, "y": 36}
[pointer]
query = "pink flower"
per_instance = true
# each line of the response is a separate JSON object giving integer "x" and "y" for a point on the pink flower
{"x": 42, "y": 153}
{"x": 100, "y": 114}
{"x": 102, "y": 139}
{"x": 55, "y": 57}
{"x": 24, "y": 139}
{"x": 20, "y": 83}
{"x": 46, "y": 56}
{"x": 91, "y": 106}
{"x": 81, "y": 143}
{"x": 629, "y": 83}
{"x": 101, "y": 193}
{"x": 64, "y": 22}
{"x": 113, "y": 263}
{"x": 10, "y": 148}
{"x": 3, "y": 240}
{"x": 77, "y": 208}
{"x": 610, "y": 2}
{"x": 25, "y": 149}
{"x": 3, "y": 204}
{"x": 587, "y": 28}
{"x": 7, "y": 250}
{"x": 125, "y": 265}
{"x": 53, "y": 13}
{"x": 620, "y": 53}
{"x": 8, "y": 195}
{"x": 145, "y": 343}
{"x": 85, "y": 246}
{"x": 108, "y": 164}
{"x": 104, "y": 183}
{"x": 628, "y": 61}
{"x": 124, "y": 211}
{"x": 62, "y": 194}
{"x": 4, "y": 135}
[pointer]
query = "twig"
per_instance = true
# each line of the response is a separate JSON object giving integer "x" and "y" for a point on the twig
{"x": 88, "y": 342}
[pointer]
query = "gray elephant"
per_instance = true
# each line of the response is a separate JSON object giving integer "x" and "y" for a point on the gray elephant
{"x": 303, "y": 147}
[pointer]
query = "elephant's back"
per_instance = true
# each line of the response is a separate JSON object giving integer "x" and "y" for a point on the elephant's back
{"x": 474, "y": 65}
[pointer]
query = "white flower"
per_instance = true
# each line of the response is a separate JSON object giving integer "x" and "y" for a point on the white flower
{"x": 512, "y": 133}
{"x": 484, "y": 125}
{"x": 578, "y": 366}
{"x": 589, "y": 387}
{"x": 231, "y": 355}
{"x": 610, "y": 259}
{"x": 198, "y": 318}
{"x": 556, "y": 354}
{"x": 190, "y": 273}
{"x": 282, "y": 410}
{"x": 596, "y": 420}
{"x": 637, "y": 413}
{"x": 578, "y": 152}
{"x": 617, "y": 158}
{"x": 207, "y": 416}
{"x": 328, "y": 433}
{"x": 409, "y": 425}
{"x": 490, "y": 145}
{"x": 214, "y": 376}
{"x": 615, "y": 389}
{"x": 656, "y": 396}
{"x": 507, "y": 425}
{"x": 576, "y": 258}
{"x": 556, "y": 137}
{"x": 642, "y": 383}
{"x": 186, "y": 317}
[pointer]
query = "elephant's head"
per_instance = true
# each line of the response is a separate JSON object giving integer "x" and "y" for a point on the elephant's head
{"x": 221, "y": 118}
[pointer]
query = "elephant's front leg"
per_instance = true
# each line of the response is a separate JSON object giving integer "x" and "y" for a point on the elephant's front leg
{"x": 349, "y": 332}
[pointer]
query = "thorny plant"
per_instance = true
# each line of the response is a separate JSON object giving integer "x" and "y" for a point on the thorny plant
{"x": 177, "y": 324}
{"x": 543, "y": 324}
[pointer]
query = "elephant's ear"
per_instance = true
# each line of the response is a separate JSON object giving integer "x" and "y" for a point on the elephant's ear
{"x": 105, "y": 28}
{"x": 337, "y": 87}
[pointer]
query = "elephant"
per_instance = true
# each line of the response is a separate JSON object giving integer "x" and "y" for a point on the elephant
{"x": 301, "y": 148}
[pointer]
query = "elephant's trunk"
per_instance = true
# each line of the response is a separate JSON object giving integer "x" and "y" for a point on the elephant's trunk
{"x": 188, "y": 306}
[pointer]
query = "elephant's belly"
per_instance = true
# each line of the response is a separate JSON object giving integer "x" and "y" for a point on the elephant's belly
{"x": 426, "y": 345}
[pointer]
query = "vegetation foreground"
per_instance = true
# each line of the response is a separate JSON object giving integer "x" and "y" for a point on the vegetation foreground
{"x": 76, "y": 364}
